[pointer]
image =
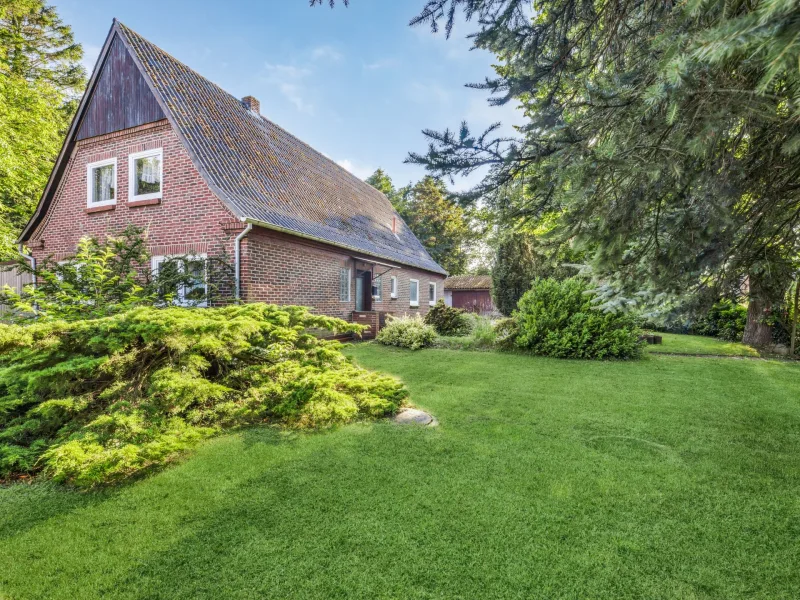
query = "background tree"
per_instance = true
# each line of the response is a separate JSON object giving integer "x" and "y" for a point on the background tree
{"x": 444, "y": 228}
{"x": 440, "y": 224}
{"x": 40, "y": 76}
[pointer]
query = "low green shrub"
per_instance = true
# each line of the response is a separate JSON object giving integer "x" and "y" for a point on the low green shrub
{"x": 447, "y": 320}
{"x": 483, "y": 335}
{"x": 111, "y": 276}
{"x": 557, "y": 318}
{"x": 407, "y": 332}
{"x": 725, "y": 320}
{"x": 94, "y": 401}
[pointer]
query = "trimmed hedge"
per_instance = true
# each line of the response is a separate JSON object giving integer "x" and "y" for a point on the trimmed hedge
{"x": 100, "y": 400}
{"x": 558, "y": 319}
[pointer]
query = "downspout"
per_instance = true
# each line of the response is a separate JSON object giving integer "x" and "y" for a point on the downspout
{"x": 238, "y": 259}
{"x": 32, "y": 260}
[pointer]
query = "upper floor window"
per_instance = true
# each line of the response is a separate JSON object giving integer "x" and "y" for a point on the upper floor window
{"x": 413, "y": 292}
{"x": 145, "y": 178}
{"x": 432, "y": 293}
{"x": 101, "y": 178}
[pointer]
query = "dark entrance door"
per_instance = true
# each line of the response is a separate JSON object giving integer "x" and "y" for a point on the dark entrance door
{"x": 363, "y": 291}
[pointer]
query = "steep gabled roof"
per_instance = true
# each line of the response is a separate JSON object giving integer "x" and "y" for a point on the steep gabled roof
{"x": 263, "y": 173}
{"x": 468, "y": 282}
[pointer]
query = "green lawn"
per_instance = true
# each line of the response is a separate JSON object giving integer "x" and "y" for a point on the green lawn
{"x": 670, "y": 477}
{"x": 698, "y": 344}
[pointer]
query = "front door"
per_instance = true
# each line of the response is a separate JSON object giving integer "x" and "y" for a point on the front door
{"x": 359, "y": 293}
{"x": 363, "y": 290}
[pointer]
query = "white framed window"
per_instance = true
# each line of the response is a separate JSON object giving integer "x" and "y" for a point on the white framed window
{"x": 393, "y": 287}
{"x": 344, "y": 285}
{"x": 377, "y": 288}
{"x": 413, "y": 292}
{"x": 432, "y": 293}
{"x": 145, "y": 175}
{"x": 192, "y": 272}
{"x": 101, "y": 183}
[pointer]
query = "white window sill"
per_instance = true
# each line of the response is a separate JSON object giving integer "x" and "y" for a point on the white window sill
{"x": 414, "y": 304}
{"x": 141, "y": 197}
{"x": 104, "y": 203}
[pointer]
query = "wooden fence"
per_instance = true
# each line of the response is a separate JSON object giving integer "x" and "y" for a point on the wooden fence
{"x": 9, "y": 276}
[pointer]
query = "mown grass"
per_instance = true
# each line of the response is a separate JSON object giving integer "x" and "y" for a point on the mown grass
{"x": 697, "y": 344}
{"x": 670, "y": 477}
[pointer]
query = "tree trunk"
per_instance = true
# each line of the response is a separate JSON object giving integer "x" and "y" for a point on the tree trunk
{"x": 756, "y": 332}
{"x": 794, "y": 315}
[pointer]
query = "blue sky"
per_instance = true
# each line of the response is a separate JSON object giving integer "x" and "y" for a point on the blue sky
{"x": 356, "y": 83}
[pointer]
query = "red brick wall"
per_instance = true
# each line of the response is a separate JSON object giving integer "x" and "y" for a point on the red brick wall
{"x": 284, "y": 269}
{"x": 189, "y": 218}
{"x": 276, "y": 268}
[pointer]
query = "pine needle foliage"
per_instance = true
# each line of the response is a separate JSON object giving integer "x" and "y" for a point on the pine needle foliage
{"x": 664, "y": 135}
{"x": 96, "y": 401}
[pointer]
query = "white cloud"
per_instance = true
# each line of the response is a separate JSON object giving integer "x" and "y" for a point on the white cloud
{"x": 327, "y": 53}
{"x": 384, "y": 63}
{"x": 358, "y": 169}
{"x": 428, "y": 93}
{"x": 90, "y": 54}
{"x": 288, "y": 79}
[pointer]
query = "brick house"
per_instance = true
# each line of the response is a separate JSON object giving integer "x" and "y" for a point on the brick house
{"x": 156, "y": 145}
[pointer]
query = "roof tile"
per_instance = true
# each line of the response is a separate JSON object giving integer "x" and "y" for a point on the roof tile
{"x": 266, "y": 174}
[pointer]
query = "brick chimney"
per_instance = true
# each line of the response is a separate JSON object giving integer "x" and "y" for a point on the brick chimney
{"x": 252, "y": 104}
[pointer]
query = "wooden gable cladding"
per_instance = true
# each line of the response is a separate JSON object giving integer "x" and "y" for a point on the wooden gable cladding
{"x": 121, "y": 98}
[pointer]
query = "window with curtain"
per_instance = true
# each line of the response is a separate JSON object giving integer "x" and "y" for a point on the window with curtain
{"x": 393, "y": 287}
{"x": 413, "y": 292}
{"x": 431, "y": 293}
{"x": 146, "y": 174}
{"x": 182, "y": 280}
{"x": 102, "y": 178}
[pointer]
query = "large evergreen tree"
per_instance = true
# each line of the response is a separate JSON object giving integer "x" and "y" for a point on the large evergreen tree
{"x": 40, "y": 76}
{"x": 664, "y": 136}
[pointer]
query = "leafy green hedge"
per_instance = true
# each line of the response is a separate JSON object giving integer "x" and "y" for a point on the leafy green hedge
{"x": 557, "y": 318}
{"x": 407, "y": 332}
{"x": 725, "y": 320}
{"x": 100, "y": 400}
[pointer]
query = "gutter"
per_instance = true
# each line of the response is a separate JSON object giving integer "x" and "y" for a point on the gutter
{"x": 328, "y": 242}
{"x": 238, "y": 258}
{"x": 32, "y": 260}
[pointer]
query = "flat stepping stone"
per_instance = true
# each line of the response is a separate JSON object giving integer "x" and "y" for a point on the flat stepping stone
{"x": 408, "y": 416}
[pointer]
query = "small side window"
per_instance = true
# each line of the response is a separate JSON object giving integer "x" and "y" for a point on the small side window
{"x": 393, "y": 289}
{"x": 432, "y": 293}
{"x": 344, "y": 285}
{"x": 413, "y": 292}
{"x": 101, "y": 178}
{"x": 377, "y": 289}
